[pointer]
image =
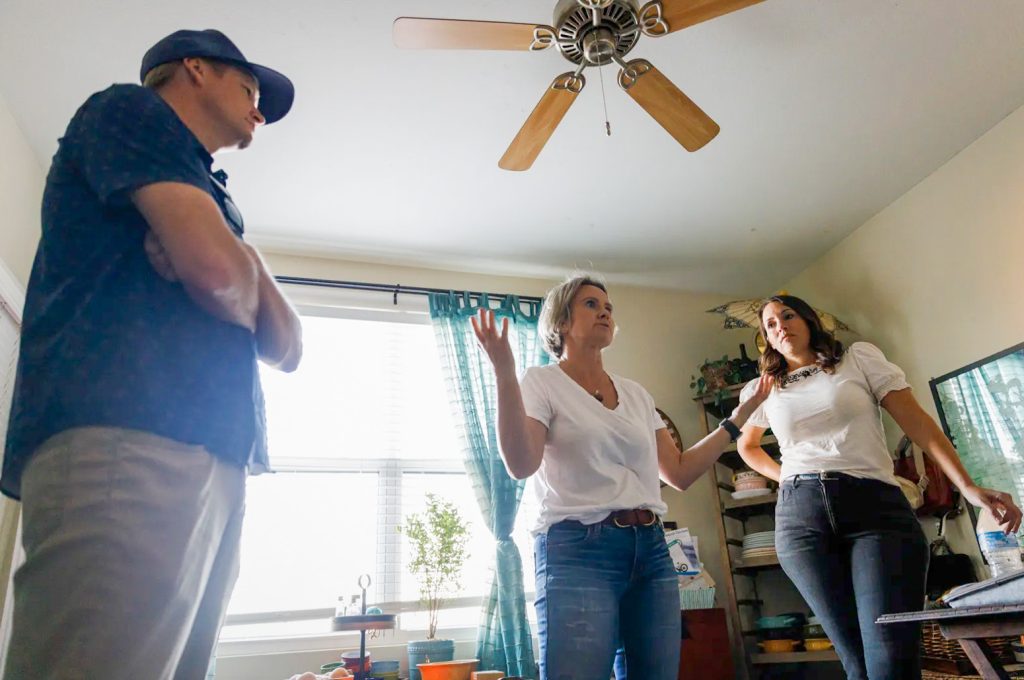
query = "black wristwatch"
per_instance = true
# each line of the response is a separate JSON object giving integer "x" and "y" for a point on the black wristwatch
{"x": 730, "y": 427}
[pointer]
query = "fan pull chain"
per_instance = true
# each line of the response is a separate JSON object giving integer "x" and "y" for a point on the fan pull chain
{"x": 604, "y": 101}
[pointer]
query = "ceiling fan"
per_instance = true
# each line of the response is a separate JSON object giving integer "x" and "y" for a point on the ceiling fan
{"x": 587, "y": 33}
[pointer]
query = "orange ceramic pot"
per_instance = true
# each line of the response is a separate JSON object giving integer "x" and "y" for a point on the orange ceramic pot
{"x": 778, "y": 646}
{"x": 448, "y": 670}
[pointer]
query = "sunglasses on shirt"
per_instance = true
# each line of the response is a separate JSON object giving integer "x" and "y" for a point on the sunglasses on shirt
{"x": 232, "y": 215}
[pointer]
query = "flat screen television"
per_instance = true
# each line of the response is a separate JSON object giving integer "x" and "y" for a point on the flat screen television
{"x": 981, "y": 407}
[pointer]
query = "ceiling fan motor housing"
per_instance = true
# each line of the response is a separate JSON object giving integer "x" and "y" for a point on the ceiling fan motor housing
{"x": 580, "y": 41}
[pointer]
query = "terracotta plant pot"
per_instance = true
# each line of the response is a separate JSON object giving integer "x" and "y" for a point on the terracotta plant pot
{"x": 448, "y": 670}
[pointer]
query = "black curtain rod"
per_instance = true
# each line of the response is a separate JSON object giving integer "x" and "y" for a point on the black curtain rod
{"x": 385, "y": 288}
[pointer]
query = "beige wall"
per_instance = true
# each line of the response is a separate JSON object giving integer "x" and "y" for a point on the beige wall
{"x": 21, "y": 191}
{"x": 937, "y": 278}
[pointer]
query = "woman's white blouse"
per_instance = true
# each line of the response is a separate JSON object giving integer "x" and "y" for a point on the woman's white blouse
{"x": 832, "y": 423}
{"x": 596, "y": 460}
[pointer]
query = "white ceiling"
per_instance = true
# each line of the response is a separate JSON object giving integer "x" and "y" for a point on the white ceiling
{"x": 830, "y": 110}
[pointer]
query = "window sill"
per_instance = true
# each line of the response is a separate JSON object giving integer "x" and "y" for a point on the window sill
{"x": 332, "y": 641}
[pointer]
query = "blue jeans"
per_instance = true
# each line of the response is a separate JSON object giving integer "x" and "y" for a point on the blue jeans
{"x": 855, "y": 551}
{"x": 602, "y": 589}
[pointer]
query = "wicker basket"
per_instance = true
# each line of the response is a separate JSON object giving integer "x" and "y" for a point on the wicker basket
{"x": 935, "y": 646}
{"x": 932, "y": 675}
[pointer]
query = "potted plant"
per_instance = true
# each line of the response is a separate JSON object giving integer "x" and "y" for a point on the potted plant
{"x": 716, "y": 377}
{"x": 438, "y": 536}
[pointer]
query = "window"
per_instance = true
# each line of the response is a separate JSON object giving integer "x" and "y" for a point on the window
{"x": 10, "y": 329}
{"x": 358, "y": 435}
{"x": 11, "y": 302}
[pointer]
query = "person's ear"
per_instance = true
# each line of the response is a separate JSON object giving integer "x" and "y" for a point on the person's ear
{"x": 195, "y": 68}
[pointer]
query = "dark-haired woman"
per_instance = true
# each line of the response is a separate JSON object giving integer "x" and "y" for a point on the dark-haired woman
{"x": 845, "y": 533}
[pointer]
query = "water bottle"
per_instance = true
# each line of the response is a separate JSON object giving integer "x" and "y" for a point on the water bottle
{"x": 1002, "y": 552}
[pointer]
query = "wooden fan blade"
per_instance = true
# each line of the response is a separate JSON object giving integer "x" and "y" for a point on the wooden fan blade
{"x": 546, "y": 116}
{"x": 456, "y": 34}
{"x": 666, "y": 103}
{"x": 679, "y": 14}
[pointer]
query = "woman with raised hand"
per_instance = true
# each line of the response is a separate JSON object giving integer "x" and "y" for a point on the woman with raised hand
{"x": 595, "y": 447}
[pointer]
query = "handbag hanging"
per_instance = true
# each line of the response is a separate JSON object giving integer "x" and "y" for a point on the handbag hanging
{"x": 947, "y": 569}
{"x": 938, "y": 496}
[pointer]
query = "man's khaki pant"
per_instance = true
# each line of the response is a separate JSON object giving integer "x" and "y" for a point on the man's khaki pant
{"x": 131, "y": 544}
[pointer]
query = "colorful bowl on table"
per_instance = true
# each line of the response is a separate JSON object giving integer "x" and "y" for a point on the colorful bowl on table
{"x": 385, "y": 670}
{"x": 448, "y": 670}
{"x": 352, "y": 661}
{"x": 746, "y": 475}
{"x": 487, "y": 675}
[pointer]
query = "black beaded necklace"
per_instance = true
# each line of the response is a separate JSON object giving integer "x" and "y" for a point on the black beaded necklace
{"x": 800, "y": 374}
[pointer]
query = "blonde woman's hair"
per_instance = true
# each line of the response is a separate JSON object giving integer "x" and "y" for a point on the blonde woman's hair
{"x": 557, "y": 310}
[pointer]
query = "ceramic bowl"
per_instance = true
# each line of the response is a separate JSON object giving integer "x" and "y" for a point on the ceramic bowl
{"x": 448, "y": 670}
{"x": 379, "y": 667}
{"x": 778, "y": 646}
{"x": 488, "y": 675}
{"x": 352, "y": 661}
{"x": 817, "y": 644}
{"x": 751, "y": 484}
{"x": 814, "y": 630}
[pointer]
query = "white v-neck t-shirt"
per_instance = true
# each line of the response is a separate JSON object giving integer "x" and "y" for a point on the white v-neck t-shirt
{"x": 596, "y": 460}
{"x": 833, "y": 423}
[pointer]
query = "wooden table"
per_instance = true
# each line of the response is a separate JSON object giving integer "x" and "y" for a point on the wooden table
{"x": 970, "y": 626}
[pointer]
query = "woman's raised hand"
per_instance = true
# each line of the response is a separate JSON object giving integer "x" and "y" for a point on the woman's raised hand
{"x": 493, "y": 341}
{"x": 764, "y": 388}
{"x": 745, "y": 409}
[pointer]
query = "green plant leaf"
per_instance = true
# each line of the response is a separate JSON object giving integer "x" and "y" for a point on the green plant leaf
{"x": 439, "y": 536}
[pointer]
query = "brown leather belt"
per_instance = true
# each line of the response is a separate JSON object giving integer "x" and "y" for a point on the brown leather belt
{"x": 631, "y": 518}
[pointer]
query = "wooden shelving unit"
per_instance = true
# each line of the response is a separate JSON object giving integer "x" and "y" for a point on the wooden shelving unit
{"x": 733, "y": 516}
{"x": 793, "y": 657}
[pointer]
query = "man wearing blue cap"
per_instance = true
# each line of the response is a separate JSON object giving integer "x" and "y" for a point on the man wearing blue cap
{"x": 137, "y": 408}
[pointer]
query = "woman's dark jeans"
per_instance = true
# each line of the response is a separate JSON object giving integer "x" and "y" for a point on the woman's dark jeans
{"x": 855, "y": 551}
{"x": 601, "y": 588}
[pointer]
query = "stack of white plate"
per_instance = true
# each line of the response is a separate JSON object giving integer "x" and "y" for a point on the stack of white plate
{"x": 750, "y": 493}
{"x": 759, "y": 544}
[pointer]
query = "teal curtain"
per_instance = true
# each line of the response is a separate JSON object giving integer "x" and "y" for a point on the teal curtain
{"x": 503, "y": 642}
{"x": 984, "y": 410}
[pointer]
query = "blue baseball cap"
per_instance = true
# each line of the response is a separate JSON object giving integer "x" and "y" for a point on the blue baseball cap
{"x": 276, "y": 90}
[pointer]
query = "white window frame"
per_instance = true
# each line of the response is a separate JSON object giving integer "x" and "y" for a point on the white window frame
{"x": 375, "y": 306}
{"x": 12, "y": 304}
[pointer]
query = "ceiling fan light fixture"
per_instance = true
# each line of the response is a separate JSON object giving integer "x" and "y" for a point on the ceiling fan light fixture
{"x": 574, "y": 23}
{"x": 599, "y": 47}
